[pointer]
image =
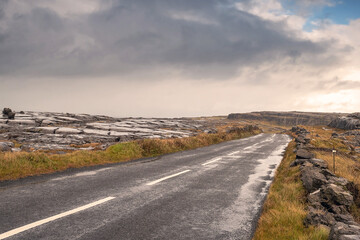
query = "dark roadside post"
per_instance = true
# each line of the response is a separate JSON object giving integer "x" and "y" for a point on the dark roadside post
{"x": 333, "y": 154}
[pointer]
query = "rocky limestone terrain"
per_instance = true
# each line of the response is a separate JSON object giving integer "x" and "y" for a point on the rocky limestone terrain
{"x": 328, "y": 196}
{"x": 349, "y": 122}
{"x": 350, "y": 138}
{"x": 28, "y": 131}
{"x": 289, "y": 118}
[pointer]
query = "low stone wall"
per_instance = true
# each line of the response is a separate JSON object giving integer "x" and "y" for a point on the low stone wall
{"x": 328, "y": 196}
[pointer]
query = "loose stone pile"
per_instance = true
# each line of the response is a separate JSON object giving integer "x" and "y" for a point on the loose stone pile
{"x": 64, "y": 131}
{"x": 328, "y": 196}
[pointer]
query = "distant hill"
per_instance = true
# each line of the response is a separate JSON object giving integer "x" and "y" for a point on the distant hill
{"x": 289, "y": 118}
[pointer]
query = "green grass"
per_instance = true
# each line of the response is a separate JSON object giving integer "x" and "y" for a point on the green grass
{"x": 22, "y": 164}
{"x": 285, "y": 207}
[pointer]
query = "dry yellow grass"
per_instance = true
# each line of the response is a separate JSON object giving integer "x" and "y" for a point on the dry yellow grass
{"x": 285, "y": 207}
{"x": 344, "y": 166}
{"x": 22, "y": 164}
{"x": 346, "y": 163}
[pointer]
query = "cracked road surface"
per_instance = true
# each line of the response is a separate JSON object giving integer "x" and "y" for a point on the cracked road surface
{"x": 214, "y": 192}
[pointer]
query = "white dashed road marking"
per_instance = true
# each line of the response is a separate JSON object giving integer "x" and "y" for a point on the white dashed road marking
{"x": 164, "y": 178}
{"x": 233, "y": 153}
{"x": 49, "y": 219}
{"x": 214, "y": 160}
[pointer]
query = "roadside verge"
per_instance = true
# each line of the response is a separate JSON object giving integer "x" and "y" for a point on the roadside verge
{"x": 284, "y": 210}
{"x": 23, "y": 164}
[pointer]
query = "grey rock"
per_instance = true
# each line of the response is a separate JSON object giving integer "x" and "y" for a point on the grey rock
{"x": 343, "y": 231}
{"x": 336, "y": 209}
{"x": 6, "y": 146}
{"x": 349, "y": 237}
{"x": 297, "y": 162}
{"x": 300, "y": 146}
{"x": 288, "y": 118}
{"x": 355, "y": 115}
{"x": 337, "y": 195}
{"x": 345, "y": 218}
{"x": 67, "y": 130}
{"x": 15, "y": 149}
{"x": 318, "y": 217}
{"x": 314, "y": 199}
{"x": 38, "y": 122}
{"x": 22, "y": 122}
{"x": 350, "y": 122}
{"x": 312, "y": 178}
{"x": 338, "y": 181}
{"x": 300, "y": 139}
{"x": 304, "y": 154}
{"x": 4, "y": 126}
{"x": 299, "y": 130}
{"x": 319, "y": 163}
{"x": 327, "y": 173}
{"x": 47, "y": 129}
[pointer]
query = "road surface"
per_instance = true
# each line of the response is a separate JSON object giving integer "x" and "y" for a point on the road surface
{"x": 215, "y": 192}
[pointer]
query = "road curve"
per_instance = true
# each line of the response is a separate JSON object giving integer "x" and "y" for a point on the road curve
{"x": 215, "y": 192}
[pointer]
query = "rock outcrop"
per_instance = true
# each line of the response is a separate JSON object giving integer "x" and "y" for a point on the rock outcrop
{"x": 349, "y": 122}
{"x": 288, "y": 118}
{"x": 328, "y": 195}
{"x": 64, "y": 131}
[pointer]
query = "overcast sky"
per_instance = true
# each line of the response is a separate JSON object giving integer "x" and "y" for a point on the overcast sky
{"x": 171, "y": 58}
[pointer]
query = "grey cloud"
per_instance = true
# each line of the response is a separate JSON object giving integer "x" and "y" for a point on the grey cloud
{"x": 213, "y": 39}
{"x": 336, "y": 84}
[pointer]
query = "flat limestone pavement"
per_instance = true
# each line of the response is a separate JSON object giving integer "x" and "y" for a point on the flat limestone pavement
{"x": 215, "y": 192}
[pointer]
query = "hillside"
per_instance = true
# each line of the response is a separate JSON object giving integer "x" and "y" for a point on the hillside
{"x": 289, "y": 118}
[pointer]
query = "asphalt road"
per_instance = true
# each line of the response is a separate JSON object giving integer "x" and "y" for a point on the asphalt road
{"x": 214, "y": 192}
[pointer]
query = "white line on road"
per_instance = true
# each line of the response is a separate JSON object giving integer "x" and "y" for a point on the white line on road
{"x": 164, "y": 178}
{"x": 49, "y": 219}
{"x": 233, "y": 153}
{"x": 214, "y": 160}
